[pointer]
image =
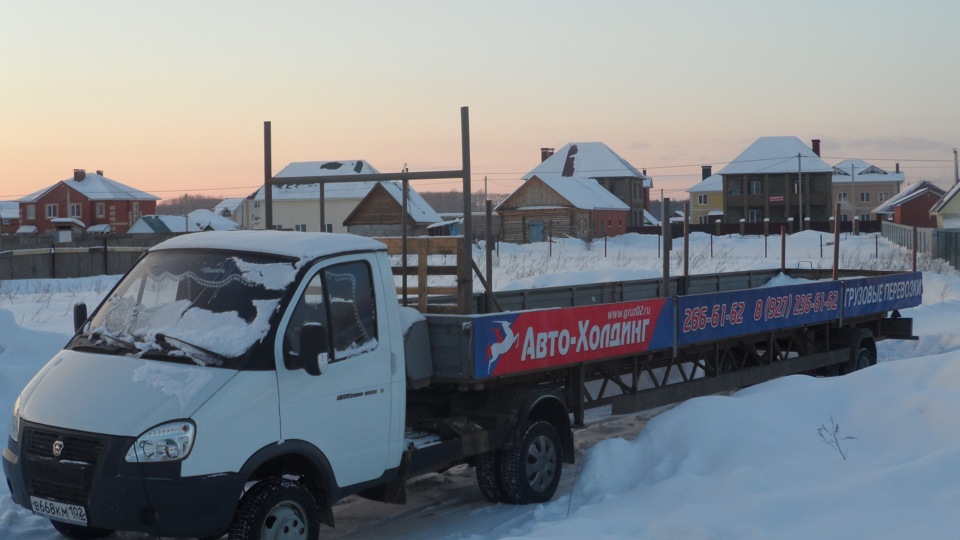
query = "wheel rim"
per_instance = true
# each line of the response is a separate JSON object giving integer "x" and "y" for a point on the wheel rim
{"x": 541, "y": 463}
{"x": 285, "y": 521}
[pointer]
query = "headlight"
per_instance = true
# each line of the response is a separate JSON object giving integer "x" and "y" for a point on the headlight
{"x": 164, "y": 443}
{"x": 15, "y": 421}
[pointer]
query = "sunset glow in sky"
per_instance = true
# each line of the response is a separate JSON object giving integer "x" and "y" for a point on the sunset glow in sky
{"x": 170, "y": 97}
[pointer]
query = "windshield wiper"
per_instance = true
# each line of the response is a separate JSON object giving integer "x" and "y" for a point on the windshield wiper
{"x": 121, "y": 344}
{"x": 164, "y": 340}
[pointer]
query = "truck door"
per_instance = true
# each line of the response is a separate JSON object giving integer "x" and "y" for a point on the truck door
{"x": 345, "y": 410}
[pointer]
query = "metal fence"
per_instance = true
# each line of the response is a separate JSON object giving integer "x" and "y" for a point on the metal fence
{"x": 942, "y": 244}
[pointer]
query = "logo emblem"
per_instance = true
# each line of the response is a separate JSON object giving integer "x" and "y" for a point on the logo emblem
{"x": 57, "y": 448}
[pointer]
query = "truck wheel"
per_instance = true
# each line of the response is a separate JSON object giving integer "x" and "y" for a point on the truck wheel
{"x": 276, "y": 509}
{"x": 530, "y": 471}
{"x": 864, "y": 359}
{"x": 488, "y": 476}
{"x": 79, "y": 532}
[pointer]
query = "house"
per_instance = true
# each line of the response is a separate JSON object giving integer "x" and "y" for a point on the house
{"x": 772, "y": 178}
{"x": 297, "y": 207}
{"x": 550, "y": 205}
{"x": 947, "y": 209}
{"x": 9, "y": 217}
{"x": 597, "y": 161}
{"x": 234, "y": 208}
{"x": 858, "y": 186}
{"x": 198, "y": 220}
{"x": 912, "y": 205}
{"x": 706, "y": 198}
{"x": 90, "y": 198}
{"x": 380, "y": 213}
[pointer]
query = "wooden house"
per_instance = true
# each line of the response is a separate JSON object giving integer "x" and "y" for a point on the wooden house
{"x": 551, "y": 205}
{"x": 380, "y": 213}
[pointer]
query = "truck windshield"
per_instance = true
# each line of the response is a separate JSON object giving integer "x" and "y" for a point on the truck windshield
{"x": 200, "y": 307}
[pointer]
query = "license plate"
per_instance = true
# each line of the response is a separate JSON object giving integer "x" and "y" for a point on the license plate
{"x": 69, "y": 513}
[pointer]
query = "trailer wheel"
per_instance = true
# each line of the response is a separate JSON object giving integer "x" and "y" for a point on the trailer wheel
{"x": 79, "y": 532}
{"x": 488, "y": 476}
{"x": 530, "y": 471}
{"x": 276, "y": 509}
{"x": 864, "y": 359}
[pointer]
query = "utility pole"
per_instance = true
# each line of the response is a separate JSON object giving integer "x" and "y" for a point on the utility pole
{"x": 956, "y": 171}
{"x": 800, "y": 188}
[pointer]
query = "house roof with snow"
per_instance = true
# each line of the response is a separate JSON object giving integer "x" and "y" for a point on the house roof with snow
{"x": 908, "y": 194}
{"x": 9, "y": 210}
{"x": 582, "y": 193}
{"x": 711, "y": 184}
{"x": 230, "y": 205}
{"x": 857, "y": 170}
{"x": 775, "y": 155}
{"x": 946, "y": 199}
{"x": 95, "y": 187}
{"x": 339, "y": 190}
{"x": 587, "y": 160}
{"x": 198, "y": 220}
{"x": 418, "y": 208}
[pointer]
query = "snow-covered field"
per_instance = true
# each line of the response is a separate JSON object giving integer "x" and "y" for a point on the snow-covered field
{"x": 874, "y": 454}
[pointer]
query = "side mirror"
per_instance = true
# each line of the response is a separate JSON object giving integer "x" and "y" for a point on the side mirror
{"x": 314, "y": 349}
{"x": 79, "y": 316}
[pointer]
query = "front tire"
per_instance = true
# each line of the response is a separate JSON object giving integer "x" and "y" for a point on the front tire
{"x": 530, "y": 471}
{"x": 277, "y": 509}
{"x": 79, "y": 532}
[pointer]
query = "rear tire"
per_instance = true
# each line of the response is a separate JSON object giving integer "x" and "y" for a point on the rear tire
{"x": 488, "y": 476}
{"x": 79, "y": 532}
{"x": 530, "y": 471}
{"x": 862, "y": 360}
{"x": 276, "y": 509}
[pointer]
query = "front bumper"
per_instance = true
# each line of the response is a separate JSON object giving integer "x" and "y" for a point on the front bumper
{"x": 91, "y": 472}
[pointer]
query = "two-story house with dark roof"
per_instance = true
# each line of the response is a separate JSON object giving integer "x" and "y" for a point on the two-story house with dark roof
{"x": 88, "y": 200}
{"x": 777, "y": 178}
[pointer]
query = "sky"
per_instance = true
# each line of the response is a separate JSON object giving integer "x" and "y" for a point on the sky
{"x": 747, "y": 465}
{"x": 171, "y": 97}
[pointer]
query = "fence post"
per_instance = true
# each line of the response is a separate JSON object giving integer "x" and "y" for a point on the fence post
{"x": 783, "y": 249}
{"x": 913, "y": 247}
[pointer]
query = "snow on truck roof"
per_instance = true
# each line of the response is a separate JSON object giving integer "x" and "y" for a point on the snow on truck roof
{"x": 302, "y": 245}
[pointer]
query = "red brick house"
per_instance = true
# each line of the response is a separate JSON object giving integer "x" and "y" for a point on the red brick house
{"x": 9, "y": 217}
{"x": 95, "y": 200}
{"x": 912, "y": 206}
{"x": 550, "y": 205}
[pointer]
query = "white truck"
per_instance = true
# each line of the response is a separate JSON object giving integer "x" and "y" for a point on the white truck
{"x": 244, "y": 382}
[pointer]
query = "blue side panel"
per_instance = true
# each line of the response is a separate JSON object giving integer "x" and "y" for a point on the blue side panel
{"x": 865, "y": 296}
{"x": 717, "y": 316}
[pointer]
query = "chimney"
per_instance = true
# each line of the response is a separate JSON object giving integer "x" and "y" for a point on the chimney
{"x": 898, "y": 167}
{"x": 100, "y": 172}
{"x": 706, "y": 171}
{"x": 545, "y": 153}
{"x": 816, "y": 146}
{"x": 79, "y": 175}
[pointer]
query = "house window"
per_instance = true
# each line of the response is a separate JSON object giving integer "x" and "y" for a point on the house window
{"x": 843, "y": 217}
{"x": 842, "y": 196}
{"x": 6, "y": 222}
{"x": 702, "y": 199}
{"x": 136, "y": 209}
{"x": 226, "y": 213}
{"x": 101, "y": 209}
{"x": 864, "y": 217}
{"x": 256, "y": 204}
{"x": 301, "y": 227}
{"x": 753, "y": 215}
{"x": 31, "y": 211}
{"x": 756, "y": 187}
{"x": 864, "y": 196}
{"x": 75, "y": 210}
{"x": 52, "y": 211}
{"x": 882, "y": 196}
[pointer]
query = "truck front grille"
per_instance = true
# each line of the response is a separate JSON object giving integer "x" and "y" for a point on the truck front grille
{"x": 67, "y": 477}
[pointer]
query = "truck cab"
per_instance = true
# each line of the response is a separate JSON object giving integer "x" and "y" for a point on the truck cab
{"x": 228, "y": 380}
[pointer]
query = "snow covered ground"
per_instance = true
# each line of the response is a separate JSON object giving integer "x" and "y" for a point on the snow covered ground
{"x": 874, "y": 454}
